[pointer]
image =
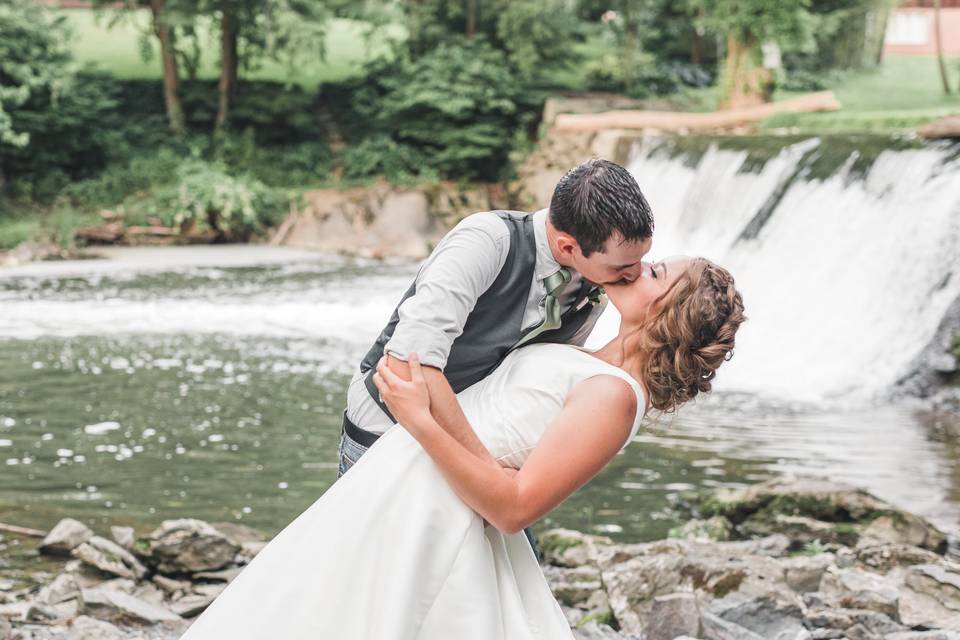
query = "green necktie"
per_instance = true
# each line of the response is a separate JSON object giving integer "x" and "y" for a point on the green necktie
{"x": 554, "y": 284}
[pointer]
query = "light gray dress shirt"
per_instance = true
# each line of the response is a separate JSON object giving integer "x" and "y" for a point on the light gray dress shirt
{"x": 458, "y": 271}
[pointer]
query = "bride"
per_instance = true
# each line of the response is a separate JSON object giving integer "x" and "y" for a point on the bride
{"x": 423, "y": 539}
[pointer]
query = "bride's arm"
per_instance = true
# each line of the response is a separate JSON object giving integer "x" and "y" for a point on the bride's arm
{"x": 576, "y": 445}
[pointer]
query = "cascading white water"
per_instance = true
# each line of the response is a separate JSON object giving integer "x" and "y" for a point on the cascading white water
{"x": 845, "y": 278}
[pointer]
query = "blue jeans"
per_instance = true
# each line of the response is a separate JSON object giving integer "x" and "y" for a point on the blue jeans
{"x": 351, "y": 451}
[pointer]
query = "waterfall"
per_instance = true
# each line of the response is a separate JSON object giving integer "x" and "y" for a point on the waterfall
{"x": 848, "y": 256}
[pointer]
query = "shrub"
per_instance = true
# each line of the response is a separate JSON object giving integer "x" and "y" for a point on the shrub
{"x": 381, "y": 155}
{"x": 205, "y": 196}
{"x": 454, "y": 110}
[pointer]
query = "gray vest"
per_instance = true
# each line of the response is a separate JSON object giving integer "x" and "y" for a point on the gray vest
{"x": 495, "y": 325}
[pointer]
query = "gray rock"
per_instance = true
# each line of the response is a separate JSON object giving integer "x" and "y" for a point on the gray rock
{"x": 109, "y": 557}
{"x": 63, "y": 587}
{"x": 768, "y": 617}
{"x": 888, "y": 555}
{"x": 188, "y": 546}
{"x": 169, "y": 585}
{"x": 716, "y": 628}
{"x": 123, "y": 536}
{"x": 903, "y": 527}
{"x": 800, "y": 529}
{"x": 108, "y": 604}
{"x": 573, "y": 587}
{"x": 193, "y": 604}
{"x": 65, "y": 536}
{"x": 6, "y": 631}
{"x": 931, "y": 598}
{"x": 223, "y": 575}
{"x": 594, "y": 631}
{"x": 673, "y": 615}
{"x": 803, "y": 573}
{"x": 923, "y": 635}
{"x": 87, "y": 628}
{"x": 632, "y": 586}
{"x": 42, "y": 612}
{"x": 715, "y": 528}
{"x": 568, "y": 548}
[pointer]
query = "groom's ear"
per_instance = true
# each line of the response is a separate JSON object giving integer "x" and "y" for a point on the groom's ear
{"x": 567, "y": 245}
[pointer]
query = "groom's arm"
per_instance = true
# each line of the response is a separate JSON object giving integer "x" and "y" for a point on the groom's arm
{"x": 459, "y": 270}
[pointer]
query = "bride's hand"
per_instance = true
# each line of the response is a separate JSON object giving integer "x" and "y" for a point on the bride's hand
{"x": 408, "y": 401}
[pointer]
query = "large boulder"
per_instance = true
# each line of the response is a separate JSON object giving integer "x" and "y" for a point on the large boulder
{"x": 65, "y": 536}
{"x": 811, "y": 508}
{"x": 673, "y": 615}
{"x": 189, "y": 546}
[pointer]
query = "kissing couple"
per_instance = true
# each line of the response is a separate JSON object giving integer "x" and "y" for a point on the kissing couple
{"x": 476, "y": 412}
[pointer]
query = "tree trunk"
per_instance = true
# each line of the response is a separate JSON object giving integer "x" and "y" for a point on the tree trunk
{"x": 939, "y": 45}
{"x": 171, "y": 80}
{"x": 228, "y": 68}
{"x": 745, "y": 82}
{"x": 631, "y": 39}
{"x": 471, "y": 18}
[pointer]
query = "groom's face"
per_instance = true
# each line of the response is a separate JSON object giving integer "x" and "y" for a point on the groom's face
{"x": 618, "y": 262}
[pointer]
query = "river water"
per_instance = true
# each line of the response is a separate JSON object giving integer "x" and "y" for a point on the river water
{"x": 208, "y": 382}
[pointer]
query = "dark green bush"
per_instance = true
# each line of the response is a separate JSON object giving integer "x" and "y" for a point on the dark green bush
{"x": 454, "y": 111}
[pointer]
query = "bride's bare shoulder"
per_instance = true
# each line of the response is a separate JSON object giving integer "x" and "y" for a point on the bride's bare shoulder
{"x": 606, "y": 391}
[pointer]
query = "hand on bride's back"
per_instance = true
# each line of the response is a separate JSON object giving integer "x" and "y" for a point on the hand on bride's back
{"x": 408, "y": 400}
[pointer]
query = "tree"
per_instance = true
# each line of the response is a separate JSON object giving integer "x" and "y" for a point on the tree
{"x": 746, "y": 26}
{"x": 939, "y": 45}
{"x": 34, "y": 64}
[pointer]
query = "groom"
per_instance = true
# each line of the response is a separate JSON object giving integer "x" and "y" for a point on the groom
{"x": 498, "y": 280}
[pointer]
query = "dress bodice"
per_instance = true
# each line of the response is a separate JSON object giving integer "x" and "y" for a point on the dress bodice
{"x": 512, "y": 407}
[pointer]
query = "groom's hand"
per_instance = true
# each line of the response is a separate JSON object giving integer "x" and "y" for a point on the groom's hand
{"x": 408, "y": 400}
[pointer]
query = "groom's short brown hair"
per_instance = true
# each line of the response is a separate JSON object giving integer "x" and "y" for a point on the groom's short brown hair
{"x": 596, "y": 199}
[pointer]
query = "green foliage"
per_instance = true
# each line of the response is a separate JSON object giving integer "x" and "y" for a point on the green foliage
{"x": 34, "y": 63}
{"x": 534, "y": 35}
{"x": 206, "y": 196}
{"x": 650, "y": 78}
{"x": 754, "y": 22}
{"x": 13, "y": 231}
{"x": 456, "y": 110}
{"x": 812, "y": 548}
{"x": 383, "y": 156}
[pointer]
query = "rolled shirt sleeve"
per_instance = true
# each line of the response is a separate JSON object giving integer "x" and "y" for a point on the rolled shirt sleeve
{"x": 461, "y": 268}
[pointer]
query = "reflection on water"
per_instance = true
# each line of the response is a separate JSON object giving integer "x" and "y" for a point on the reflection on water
{"x": 215, "y": 393}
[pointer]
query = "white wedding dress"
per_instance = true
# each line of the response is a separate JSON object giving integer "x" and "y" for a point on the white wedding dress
{"x": 391, "y": 552}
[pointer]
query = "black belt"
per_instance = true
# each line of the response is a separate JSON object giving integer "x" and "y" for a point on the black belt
{"x": 358, "y": 435}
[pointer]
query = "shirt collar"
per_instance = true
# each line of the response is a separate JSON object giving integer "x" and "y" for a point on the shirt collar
{"x": 546, "y": 263}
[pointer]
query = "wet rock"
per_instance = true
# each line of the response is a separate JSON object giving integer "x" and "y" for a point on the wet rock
{"x": 673, "y": 615}
{"x": 188, "y": 546}
{"x": 715, "y": 528}
{"x": 123, "y": 536}
{"x": 109, "y": 557}
{"x": 800, "y": 529}
{"x": 932, "y": 598}
{"x": 65, "y": 536}
{"x": 108, "y": 604}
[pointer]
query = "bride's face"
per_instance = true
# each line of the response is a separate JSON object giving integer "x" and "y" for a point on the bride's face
{"x": 633, "y": 299}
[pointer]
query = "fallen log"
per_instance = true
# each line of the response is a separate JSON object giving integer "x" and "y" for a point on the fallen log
{"x": 946, "y": 127}
{"x": 687, "y": 121}
{"x": 23, "y": 531}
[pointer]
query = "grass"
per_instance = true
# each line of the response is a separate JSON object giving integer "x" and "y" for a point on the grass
{"x": 903, "y": 93}
{"x": 113, "y": 41}
{"x": 57, "y": 225}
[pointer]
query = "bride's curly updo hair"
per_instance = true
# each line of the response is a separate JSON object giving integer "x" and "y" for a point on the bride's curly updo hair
{"x": 689, "y": 333}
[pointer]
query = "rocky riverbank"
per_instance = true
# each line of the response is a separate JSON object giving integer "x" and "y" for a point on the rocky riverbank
{"x": 788, "y": 559}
